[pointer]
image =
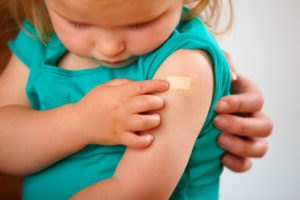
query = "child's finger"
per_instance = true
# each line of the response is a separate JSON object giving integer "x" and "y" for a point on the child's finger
{"x": 144, "y": 103}
{"x": 145, "y": 87}
{"x": 135, "y": 141}
{"x": 139, "y": 122}
{"x": 117, "y": 82}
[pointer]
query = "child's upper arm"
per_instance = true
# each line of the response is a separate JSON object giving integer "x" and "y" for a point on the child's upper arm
{"x": 13, "y": 82}
{"x": 154, "y": 172}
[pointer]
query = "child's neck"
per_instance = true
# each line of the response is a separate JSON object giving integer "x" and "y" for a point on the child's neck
{"x": 71, "y": 61}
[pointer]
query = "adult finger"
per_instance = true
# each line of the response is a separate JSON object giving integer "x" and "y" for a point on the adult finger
{"x": 144, "y": 103}
{"x": 139, "y": 122}
{"x": 145, "y": 87}
{"x": 233, "y": 72}
{"x": 257, "y": 125}
{"x": 235, "y": 163}
{"x": 136, "y": 141}
{"x": 241, "y": 146}
{"x": 240, "y": 103}
{"x": 244, "y": 85}
{"x": 246, "y": 97}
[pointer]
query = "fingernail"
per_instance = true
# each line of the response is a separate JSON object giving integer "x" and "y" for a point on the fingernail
{"x": 149, "y": 138}
{"x": 222, "y": 105}
{"x": 156, "y": 117}
{"x": 225, "y": 141}
{"x": 166, "y": 83}
{"x": 221, "y": 122}
{"x": 227, "y": 161}
{"x": 158, "y": 100}
{"x": 233, "y": 76}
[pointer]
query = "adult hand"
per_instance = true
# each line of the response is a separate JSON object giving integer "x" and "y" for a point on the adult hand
{"x": 243, "y": 123}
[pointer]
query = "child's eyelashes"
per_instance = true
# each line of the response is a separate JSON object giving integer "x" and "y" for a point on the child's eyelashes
{"x": 79, "y": 25}
{"x": 135, "y": 27}
{"x": 138, "y": 27}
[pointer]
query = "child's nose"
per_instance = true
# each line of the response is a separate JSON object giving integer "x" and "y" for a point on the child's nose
{"x": 111, "y": 46}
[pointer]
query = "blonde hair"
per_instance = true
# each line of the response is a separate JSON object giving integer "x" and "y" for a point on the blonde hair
{"x": 211, "y": 12}
{"x": 35, "y": 11}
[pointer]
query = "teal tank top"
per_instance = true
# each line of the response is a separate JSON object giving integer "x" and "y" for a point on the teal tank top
{"x": 49, "y": 87}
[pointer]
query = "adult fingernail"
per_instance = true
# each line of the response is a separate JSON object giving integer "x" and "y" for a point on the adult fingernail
{"x": 227, "y": 161}
{"x": 221, "y": 122}
{"x": 222, "y": 105}
{"x": 233, "y": 76}
{"x": 225, "y": 141}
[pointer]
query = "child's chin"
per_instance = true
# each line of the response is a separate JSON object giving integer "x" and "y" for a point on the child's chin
{"x": 117, "y": 64}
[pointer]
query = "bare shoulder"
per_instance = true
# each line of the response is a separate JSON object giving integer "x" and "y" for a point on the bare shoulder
{"x": 13, "y": 82}
{"x": 186, "y": 106}
{"x": 190, "y": 73}
{"x": 187, "y": 61}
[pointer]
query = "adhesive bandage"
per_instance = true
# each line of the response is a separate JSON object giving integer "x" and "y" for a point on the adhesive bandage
{"x": 184, "y": 85}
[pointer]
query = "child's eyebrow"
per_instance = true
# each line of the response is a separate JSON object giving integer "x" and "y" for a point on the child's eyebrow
{"x": 147, "y": 20}
{"x": 66, "y": 18}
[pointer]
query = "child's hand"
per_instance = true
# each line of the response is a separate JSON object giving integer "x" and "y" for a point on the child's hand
{"x": 112, "y": 112}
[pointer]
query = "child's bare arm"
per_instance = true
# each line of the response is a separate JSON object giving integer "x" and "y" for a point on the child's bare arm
{"x": 31, "y": 140}
{"x": 153, "y": 173}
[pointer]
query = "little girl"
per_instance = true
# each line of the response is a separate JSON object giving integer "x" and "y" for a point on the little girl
{"x": 71, "y": 47}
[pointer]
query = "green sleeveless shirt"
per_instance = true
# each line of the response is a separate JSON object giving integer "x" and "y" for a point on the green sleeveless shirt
{"x": 49, "y": 87}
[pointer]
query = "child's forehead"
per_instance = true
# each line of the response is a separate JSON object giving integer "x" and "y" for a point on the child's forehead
{"x": 110, "y": 11}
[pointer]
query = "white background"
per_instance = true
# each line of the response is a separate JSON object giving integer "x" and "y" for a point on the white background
{"x": 265, "y": 46}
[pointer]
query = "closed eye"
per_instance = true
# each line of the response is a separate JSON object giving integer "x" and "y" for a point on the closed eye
{"x": 79, "y": 25}
{"x": 141, "y": 26}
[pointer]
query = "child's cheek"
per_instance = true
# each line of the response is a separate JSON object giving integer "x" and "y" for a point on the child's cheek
{"x": 78, "y": 44}
{"x": 148, "y": 41}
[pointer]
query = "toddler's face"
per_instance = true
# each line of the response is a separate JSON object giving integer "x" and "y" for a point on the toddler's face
{"x": 113, "y": 32}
